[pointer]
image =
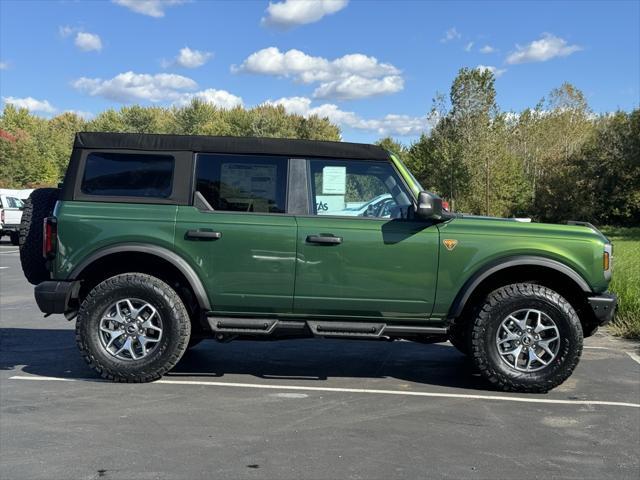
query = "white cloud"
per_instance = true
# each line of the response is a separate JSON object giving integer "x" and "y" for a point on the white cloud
{"x": 192, "y": 58}
{"x": 291, "y": 13}
{"x": 81, "y": 113}
{"x": 88, "y": 41}
{"x": 131, "y": 87}
{"x": 163, "y": 87}
{"x": 354, "y": 87}
{"x": 468, "y": 47}
{"x": 347, "y": 77}
{"x": 487, "y": 49}
{"x": 392, "y": 124}
{"x": 547, "y": 47}
{"x": 219, "y": 98}
{"x": 270, "y": 61}
{"x": 151, "y": 8}
{"x": 497, "y": 72}
{"x": 4, "y": 65}
{"x": 31, "y": 104}
{"x": 451, "y": 34}
{"x": 309, "y": 69}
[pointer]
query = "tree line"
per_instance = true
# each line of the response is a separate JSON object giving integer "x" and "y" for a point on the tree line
{"x": 35, "y": 151}
{"x": 555, "y": 161}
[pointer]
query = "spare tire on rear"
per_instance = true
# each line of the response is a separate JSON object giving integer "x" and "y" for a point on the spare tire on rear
{"x": 38, "y": 206}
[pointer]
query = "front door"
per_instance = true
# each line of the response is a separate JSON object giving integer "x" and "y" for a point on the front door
{"x": 359, "y": 255}
{"x": 237, "y": 235}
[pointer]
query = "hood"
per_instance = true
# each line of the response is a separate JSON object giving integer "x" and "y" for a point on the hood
{"x": 525, "y": 226}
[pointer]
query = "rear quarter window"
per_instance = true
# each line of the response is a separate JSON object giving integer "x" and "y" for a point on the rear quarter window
{"x": 128, "y": 175}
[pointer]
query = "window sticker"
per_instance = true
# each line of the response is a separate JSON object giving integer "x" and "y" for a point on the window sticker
{"x": 329, "y": 204}
{"x": 248, "y": 180}
{"x": 334, "y": 180}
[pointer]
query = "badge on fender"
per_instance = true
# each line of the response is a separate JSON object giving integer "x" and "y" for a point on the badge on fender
{"x": 449, "y": 243}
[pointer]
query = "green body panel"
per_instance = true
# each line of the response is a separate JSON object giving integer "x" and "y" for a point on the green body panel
{"x": 251, "y": 268}
{"x": 382, "y": 268}
{"x": 482, "y": 241}
{"x": 397, "y": 270}
{"x": 85, "y": 227}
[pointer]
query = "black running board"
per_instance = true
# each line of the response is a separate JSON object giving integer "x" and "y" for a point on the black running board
{"x": 253, "y": 326}
{"x": 346, "y": 329}
{"x": 318, "y": 328}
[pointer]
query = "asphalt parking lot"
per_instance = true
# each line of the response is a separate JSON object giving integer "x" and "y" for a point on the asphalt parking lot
{"x": 302, "y": 409}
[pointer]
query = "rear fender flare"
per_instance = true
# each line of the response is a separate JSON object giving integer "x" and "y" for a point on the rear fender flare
{"x": 161, "y": 252}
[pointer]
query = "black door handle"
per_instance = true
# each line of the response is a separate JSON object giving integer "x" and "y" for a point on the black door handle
{"x": 202, "y": 235}
{"x": 324, "y": 239}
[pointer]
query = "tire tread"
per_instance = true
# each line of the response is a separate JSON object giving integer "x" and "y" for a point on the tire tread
{"x": 520, "y": 382}
{"x": 176, "y": 306}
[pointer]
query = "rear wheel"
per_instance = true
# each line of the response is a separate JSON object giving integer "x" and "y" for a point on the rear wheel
{"x": 132, "y": 328}
{"x": 526, "y": 338}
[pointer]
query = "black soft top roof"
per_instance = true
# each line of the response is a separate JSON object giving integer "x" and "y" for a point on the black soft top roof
{"x": 242, "y": 145}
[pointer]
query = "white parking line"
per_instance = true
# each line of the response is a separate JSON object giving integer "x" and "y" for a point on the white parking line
{"x": 632, "y": 355}
{"x": 10, "y": 251}
{"x": 357, "y": 390}
{"x": 2, "y": 268}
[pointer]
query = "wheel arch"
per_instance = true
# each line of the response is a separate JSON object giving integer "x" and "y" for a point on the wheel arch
{"x": 125, "y": 257}
{"x": 552, "y": 273}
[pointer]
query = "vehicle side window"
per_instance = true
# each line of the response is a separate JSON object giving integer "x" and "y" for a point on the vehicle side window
{"x": 13, "y": 202}
{"x": 353, "y": 188}
{"x": 243, "y": 183}
{"x": 128, "y": 175}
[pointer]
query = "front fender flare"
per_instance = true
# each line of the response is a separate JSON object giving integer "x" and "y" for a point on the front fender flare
{"x": 514, "y": 261}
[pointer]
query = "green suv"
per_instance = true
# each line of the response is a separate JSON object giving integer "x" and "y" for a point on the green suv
{"x": 155, "y": 242}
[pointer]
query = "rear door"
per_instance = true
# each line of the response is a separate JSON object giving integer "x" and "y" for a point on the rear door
{"x": 359, "y": 255}
{"x": 238, "y": 235}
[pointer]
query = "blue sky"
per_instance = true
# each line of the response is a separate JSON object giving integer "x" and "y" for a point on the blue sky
{"x": 371, "y": 66}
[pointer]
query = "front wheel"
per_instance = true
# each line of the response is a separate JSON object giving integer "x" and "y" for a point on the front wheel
{"x": 526, "y": 338}
{"x": 132, "y": 328}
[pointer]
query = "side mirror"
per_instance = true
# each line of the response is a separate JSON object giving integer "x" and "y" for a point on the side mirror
{"x": 429, "y": 206}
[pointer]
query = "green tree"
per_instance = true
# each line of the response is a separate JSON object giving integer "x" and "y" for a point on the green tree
{"x": 35, "y": 150}
{"x": 395, "y": 147}
{"x": 466, "y": 149}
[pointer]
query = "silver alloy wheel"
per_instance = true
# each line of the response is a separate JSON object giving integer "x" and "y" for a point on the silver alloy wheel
{"x": 130, "y": 329}
{"x": 528, "y": 340}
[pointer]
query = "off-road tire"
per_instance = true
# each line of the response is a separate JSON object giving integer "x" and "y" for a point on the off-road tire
{"x": 175, "y": 335}
{"x": 15, "y": 238}
{"x": 37, "y": 207}
{"x": 501, "y": 303}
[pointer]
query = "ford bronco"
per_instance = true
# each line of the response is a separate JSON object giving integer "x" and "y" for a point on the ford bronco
{"x": 155, "y": 242}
